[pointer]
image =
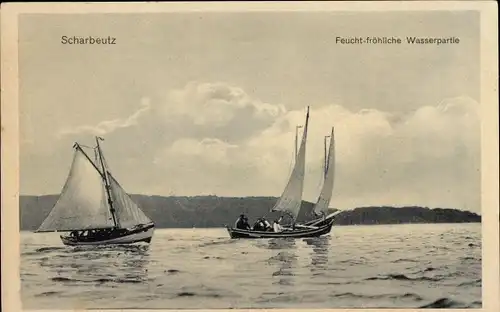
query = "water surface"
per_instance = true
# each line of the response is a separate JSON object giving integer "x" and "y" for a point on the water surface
{"x": 385, "y": 266}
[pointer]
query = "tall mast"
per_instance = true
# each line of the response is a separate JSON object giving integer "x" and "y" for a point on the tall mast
{"x": 332, "y": 141}
{"x": 96, "y": 154}
{"x": 106, "y": 181}
{"x": 326, "y": 156}
{"x": 297, "y": 140}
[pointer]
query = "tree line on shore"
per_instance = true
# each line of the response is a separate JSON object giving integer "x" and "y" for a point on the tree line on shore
{"x": 214, "y": 211}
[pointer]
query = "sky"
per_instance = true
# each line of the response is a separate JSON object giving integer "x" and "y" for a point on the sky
{"x": 207, "y": 103}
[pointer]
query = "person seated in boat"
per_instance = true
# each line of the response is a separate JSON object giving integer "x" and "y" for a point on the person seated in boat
{"x": 267, "y": 225}
{"x": 95, "y": 233}
{"x": 316, "y": 215}
{"x": 242, "y": 223}
{"x": 276, "y": 226}
{"x": 100, "y": 233}
{"x": 246, "y": 224}
{"x": 259, "y": 225}
{"x": 103, "y": 233}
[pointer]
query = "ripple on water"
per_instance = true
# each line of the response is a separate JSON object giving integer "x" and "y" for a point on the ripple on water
{"x": 402, "y": 277}
{"x": 343, "y": 270}
{"x": 48, "y": 293}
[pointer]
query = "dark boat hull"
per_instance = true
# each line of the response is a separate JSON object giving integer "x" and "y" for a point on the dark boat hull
{"x": 138, "y": 235}
{"x": 297, "y": 233}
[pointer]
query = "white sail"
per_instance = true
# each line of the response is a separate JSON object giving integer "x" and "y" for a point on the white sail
{"x": 291, "y": 198}
{"x": 82, "y": 203}
{"x": 127, "y": 213}
{"x": 325, "y": 196}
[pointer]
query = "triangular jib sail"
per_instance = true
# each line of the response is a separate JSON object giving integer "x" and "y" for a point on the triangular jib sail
{"x": 291, "y": 198}
{"x": 325, "y": 196}
{"x": 127, "y": 213}
{"x": 83, "y": 203}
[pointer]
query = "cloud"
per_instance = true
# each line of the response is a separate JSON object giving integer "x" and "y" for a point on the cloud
{"x": 217, "y": 110}
{"x": 213, "y": 138}
{"x": 427, "y": 157}
{"x": 211, "y": 150}
{"x": 196, "y": 111}
{"x": 109, "y": 126}
{"x": 217, "y": 104}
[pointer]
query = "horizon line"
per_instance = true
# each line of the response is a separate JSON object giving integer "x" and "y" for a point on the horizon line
{"x": 262, "y": 196}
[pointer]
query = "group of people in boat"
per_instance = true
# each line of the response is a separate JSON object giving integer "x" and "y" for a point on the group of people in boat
{"x": 261, "y": 224}
{"x": 93, "y": 234}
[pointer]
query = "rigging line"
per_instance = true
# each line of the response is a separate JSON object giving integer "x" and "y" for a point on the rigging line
{"x": 88, "y": 146}
{"x": 77, "y": 146}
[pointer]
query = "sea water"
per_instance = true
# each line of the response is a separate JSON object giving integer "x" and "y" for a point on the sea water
{"x": 380, "y": 266}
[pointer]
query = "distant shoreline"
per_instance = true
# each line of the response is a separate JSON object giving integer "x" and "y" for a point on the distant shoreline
{"x": 339, "y": 225}
{"x": 244, "y": 197}
{"x": 214, "y": 211}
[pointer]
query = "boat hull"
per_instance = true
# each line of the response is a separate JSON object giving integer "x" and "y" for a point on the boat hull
{"x": 298, "y": 233}
{"x": 142, "y": 235}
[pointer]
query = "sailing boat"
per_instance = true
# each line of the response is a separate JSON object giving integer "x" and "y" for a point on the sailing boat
{"x": 320, "y": 209}
{"x": 289, "y": 202}
{"x": 94, "y": 208}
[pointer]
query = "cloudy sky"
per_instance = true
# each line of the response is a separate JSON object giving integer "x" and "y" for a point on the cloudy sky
{"x": 193, "y": 103}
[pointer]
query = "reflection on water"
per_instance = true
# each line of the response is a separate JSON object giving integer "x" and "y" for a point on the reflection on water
{"x": 319, "y": 255}
{"x": 108, "y": 264}
{"x": 204, "y": 269}
{"x": 285, "y": 259}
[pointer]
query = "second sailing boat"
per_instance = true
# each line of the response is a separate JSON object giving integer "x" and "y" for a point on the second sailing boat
{"x": 290, "y": 202}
